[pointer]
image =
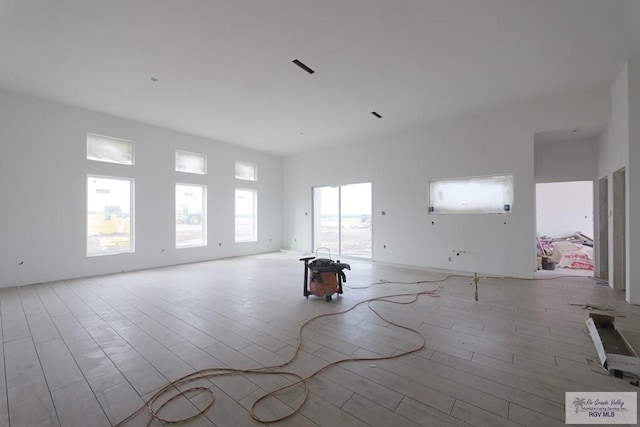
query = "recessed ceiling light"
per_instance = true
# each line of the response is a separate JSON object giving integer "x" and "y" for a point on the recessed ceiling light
{"x": 303, "y": 66}
{"x": 376, "y": 114}
{"x": 153, "y": 79}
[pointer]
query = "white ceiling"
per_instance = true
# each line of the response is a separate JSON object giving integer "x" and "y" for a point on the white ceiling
{"x": 225, "y": 71}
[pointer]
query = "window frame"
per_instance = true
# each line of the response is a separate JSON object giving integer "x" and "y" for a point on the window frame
{"x": 131, "y": 234}
{"x": 193, "y": 154}
{"x": 254, "y": 194}
{"x": 203, "y": 215}
{"x": 90, "y": 136}
{"x": 503, "y": 193}
{"x": 243, "y": 163}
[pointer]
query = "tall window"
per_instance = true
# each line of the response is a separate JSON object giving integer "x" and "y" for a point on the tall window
{"x": 109, "y": 199}
{"x": 190, "y": 215}
{"x": 109, "y": 215}
{"x": 246, "y": 215}
{"x": 191, "y": 202}
{"x": 246, "y": 204}
{"x": 484, "y": 194}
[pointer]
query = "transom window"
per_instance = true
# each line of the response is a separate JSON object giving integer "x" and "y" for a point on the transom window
{"x": 110, "y": 150}
{"x": 246, "y": 171}
{"x": 191, "y": 162}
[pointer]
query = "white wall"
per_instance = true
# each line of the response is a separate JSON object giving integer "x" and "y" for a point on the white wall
{"x": 566, "y": 161}
{"x": 400, "y": 165}
{"x": 563, "y": 212}
{"x": 563, "y": 208}
{"x": 614, "y": 143}
{"x": 43, "y": 171}
{"x": 633, "y": 186}
{"x": 620, "y": 148}
{"x": 613, "y": 151}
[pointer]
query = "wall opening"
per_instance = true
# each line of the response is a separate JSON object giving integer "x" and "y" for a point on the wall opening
{"x": 564, "y": 225}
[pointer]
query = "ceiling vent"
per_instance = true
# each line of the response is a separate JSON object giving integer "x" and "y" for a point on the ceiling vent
{"x": 303, "y": 66}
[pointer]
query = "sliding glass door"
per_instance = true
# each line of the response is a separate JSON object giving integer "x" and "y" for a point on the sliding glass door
{"x": 342, "y": 219}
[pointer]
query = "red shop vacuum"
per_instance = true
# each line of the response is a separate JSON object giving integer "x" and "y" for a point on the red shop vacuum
{"x": 323, "y": 277}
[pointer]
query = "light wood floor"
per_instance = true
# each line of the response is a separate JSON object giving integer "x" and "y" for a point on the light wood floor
{"x": 88, "y": 352}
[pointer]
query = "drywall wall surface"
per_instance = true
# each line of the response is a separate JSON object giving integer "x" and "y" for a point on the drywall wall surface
{"x": 400, "y": 165}
{"x": 43, "y": 174}
{"x": 563, "y": 208}
{"x": 578, "y": 110}
{"x": 633, "y": 188}
{"x": 613, "y": 150}
{"x": 613, "y": 147}
{"x": 566, "y": 161}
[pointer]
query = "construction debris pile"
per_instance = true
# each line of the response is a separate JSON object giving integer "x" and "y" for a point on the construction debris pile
{"x": 574, "y": 251}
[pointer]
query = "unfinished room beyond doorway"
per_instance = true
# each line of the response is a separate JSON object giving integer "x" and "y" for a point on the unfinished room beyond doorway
{"x": 565, "y": 226}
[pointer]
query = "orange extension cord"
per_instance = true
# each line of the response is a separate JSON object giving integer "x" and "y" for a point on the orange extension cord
{"x": 173, "y": 387}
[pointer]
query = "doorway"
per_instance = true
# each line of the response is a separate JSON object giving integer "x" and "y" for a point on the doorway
{"x": 342, "y": 219}
{"x": 565, "y": 226}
